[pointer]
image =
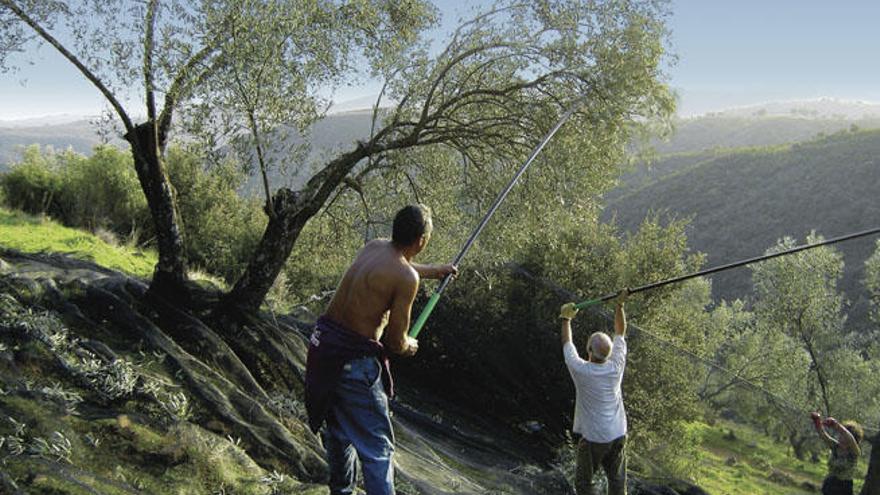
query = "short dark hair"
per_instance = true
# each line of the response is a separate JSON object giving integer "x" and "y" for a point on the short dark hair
{"x": 410, "y": 223}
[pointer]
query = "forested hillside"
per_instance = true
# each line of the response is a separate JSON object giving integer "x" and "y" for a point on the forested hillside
{"x": 733, "y": 131}
{"x": 742, "y": 201}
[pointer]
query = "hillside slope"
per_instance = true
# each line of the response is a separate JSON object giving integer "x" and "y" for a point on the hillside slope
{"x": 105, "y": 390}
{"x": 742, "y": 201}
{"x": 730, "y": 131}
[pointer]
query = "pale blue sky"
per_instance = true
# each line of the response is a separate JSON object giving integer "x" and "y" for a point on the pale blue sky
{"x": 735, "y": 52}
{"x": 730, "y": 53}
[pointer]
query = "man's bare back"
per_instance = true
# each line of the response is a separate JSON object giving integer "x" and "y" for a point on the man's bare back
{"x": 376, "y": 291}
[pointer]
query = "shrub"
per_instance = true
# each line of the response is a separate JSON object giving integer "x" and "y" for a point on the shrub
{"x": 33, "y": 185}
{"x": 96, "y": 192}
{"x": 102, "y": 191}
{"x": 221, "y": 228}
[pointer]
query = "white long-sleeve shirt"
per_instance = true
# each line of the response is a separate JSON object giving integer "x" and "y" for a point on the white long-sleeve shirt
{"x": 599, "y": 415}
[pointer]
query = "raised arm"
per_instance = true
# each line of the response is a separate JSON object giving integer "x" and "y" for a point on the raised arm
{"x": 566, "y": 313}
{"x": 845, "y": 439}
{"x": 434, "y": 271}
{"x": 820, "y": 430}
{"x": 620, "y": 314}
{"x": 396, "y": 337}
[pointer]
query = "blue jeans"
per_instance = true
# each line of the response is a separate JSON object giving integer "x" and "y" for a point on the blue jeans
{"x": 359, "y": 425}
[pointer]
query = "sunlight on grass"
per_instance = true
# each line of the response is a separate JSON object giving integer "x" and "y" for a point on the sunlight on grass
{"x": 31, "y": 234}
{"x": 737, "y": 460}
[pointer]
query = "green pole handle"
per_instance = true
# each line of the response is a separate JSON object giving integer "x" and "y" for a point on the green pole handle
{"x": 420, "y": 322}
{"x": 589, "y": 302}
{"x": 417, "y": 327}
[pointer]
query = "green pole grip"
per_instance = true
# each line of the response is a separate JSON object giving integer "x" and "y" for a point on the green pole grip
{"x": 589, "y": 302}
{"x": 426, "y": 312}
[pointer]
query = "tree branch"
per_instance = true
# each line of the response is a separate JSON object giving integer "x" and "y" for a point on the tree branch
{"x": 149, "y": 90}
{"x": 181, "y": 82}
{"x": 126, "y": 121}
{"x": 449, "y": 66}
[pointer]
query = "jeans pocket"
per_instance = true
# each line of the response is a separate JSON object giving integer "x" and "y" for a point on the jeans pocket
{"x": 372, "y": 371}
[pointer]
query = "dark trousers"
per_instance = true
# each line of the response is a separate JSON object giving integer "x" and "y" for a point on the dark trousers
{"x": 610, "y": 456}
{"x": 836, "y": 486}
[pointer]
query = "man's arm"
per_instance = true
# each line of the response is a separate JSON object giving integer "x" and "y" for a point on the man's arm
{"x": 820, "y": 430}
{"x": 398, "y": 321}
{"x": 435, "y": 271}
{"x": 620, "y": 314}
{"x": 566, "y": 313}
{"x": 845, "y": 439}
{"x": 619, "y": 320}
{"x": 566, "y": 331}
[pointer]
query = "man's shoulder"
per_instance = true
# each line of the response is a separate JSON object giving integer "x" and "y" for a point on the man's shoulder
{"x": 408, "y": 275}
{"x": 376, "y": 244}
{"x": 391, "y": 267}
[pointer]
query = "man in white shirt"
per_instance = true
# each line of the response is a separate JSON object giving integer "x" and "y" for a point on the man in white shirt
{"x": 599, "y": 416}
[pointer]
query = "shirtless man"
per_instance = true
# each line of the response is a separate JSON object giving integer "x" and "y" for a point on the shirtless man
{"x": 348, "y": 380}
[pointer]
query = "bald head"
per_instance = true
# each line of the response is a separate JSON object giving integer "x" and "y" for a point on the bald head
{"x": 599, "y": 346}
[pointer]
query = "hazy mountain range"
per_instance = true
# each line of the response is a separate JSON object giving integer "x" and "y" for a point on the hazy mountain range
{"x": 759, "y": 125}
{"x": 735, "y": 174}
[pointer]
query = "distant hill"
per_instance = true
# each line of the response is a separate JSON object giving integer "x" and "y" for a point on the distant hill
{"x": 335, "y": 131}
{"x": 767, "y": 124}
{"x": 80, "y": 135}
{"x": 742, "y": 201}
{"x": 818, "y": 108}
{"x": 735, "y": 131}
{"x": 770, "y": 123}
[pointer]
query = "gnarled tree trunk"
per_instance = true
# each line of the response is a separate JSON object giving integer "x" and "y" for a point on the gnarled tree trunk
{"x": 289, "y": 213}
{"x": 170, "y": 274}
{"x": 286, "y": 221}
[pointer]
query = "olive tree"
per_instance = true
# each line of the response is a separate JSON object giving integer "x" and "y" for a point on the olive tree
{"x": 797, "y": 296}
{"x": 872, "y": 283}
{"x": 154, "y": 59}
{"x": 494, "y": 86}
{"x": 501, "y": 80}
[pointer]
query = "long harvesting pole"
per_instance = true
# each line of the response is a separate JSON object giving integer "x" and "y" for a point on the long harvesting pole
{"x": 426, "y": 312}
{"x": 708, "y": 271}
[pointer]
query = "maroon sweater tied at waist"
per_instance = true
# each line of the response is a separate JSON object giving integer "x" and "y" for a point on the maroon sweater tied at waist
{"x": 330, "y": 347}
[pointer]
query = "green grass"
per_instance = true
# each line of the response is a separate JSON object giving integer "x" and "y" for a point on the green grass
{"x": 32, "y": 234}
{"x": 757, "y": 456}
